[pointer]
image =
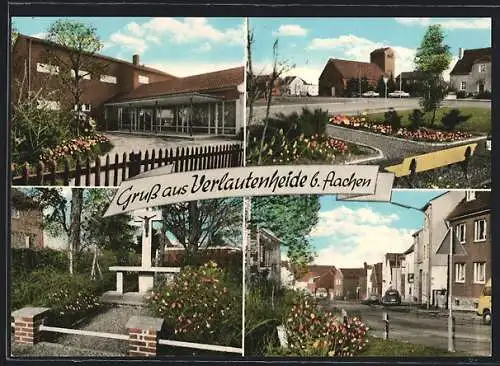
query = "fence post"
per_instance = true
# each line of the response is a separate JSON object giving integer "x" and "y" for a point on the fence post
{"x": 115, "y": 170}
{"x": 465, "y": 163}
{"x": 153, "y": 158}
{"x": 106, "y": 172}
{"x": 143, "y": 335}
{"x": 39, "y": 173}
{"x": 27, "y": 323}
{"x": 87, "y": 172}
{"x": 97, "y": 176}
{"x": 413, "y": 173}
{"x": 78, "y": 172}
{"x": 66, "y": 172}
{"x": 386, "y": 328}
{"x": 124, "y": 167}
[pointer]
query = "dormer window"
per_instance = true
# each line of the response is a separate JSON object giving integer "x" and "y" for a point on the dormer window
{"x": 470, "y": 196}
{"x": 143, "y": 79}
{"x": 482, "y": 67}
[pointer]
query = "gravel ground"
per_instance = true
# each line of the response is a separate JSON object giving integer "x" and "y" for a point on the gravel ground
{"x": 112, "y": 320}
{"x": 479, "y": 176}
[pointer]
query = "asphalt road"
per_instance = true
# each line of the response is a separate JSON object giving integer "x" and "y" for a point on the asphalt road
{"x": 353, "y": 105}
{"x": 419, "y": 328}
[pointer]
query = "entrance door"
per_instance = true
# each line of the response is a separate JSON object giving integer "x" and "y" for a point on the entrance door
{"x": 481, "y": 86}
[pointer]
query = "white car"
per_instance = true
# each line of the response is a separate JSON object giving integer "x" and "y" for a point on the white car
{"x": 399, "y": 94}
{"x": 370, "y": 93}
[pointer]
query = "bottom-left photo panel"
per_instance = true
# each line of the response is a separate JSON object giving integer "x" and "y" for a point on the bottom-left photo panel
{"x": 161, "y": 281}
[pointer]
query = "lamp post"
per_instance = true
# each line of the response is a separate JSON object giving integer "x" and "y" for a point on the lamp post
{"x": 386, "y": 79}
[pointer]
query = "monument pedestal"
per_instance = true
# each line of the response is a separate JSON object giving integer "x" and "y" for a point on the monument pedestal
{"x": 146, "y": 282}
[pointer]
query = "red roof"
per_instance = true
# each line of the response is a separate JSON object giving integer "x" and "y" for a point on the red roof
{"x": 353, "y": 272}
{"x": 464, "y": 65}
{"x": 355, "y": 69}
{"x": 209, "y": 82}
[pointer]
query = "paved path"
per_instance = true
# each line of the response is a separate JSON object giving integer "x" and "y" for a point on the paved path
{"x": 471, "y": 335}
{"x": 355, "y": 105}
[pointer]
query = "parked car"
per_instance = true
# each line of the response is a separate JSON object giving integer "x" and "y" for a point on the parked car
{"x": 373, "y": 299}
{"x": 391, "y": 297}
{"x": 399, "y": 94}
{"x": 371, "y": 94}
{"x": 484, "y": 306}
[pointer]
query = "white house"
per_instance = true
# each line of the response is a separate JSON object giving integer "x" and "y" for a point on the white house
{"x": 293, "y": 85}
{"x": 434, "y": 267}
{"x": 391, "y": 272}
{"x": 408, "y": 274}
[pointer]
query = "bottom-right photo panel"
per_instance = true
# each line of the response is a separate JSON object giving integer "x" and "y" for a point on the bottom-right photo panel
{"x": 341, "y": 278}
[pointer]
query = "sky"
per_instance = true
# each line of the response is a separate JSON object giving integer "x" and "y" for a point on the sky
{"x": 308, "y": 43}
{"x": 179, "y": 46}
{"x": 350, "y": 233}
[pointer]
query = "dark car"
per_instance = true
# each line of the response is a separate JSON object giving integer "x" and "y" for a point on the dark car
{"x": 391, "y": 297}
{"x": 373, "y": 299}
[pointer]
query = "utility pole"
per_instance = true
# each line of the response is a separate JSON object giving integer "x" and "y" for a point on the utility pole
{"x": 451, "y": 321}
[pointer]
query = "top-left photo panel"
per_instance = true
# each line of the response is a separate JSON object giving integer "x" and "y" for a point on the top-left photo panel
{"x": 96, "y": 101}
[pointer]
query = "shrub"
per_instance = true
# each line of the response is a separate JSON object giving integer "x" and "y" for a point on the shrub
{"x": 452, "y": 119}
{"x": 461, "y": 94}
{"x": 313, "y": 332}
{"x": 483, "y": 95}
{"x": 312, "y": 123}
{"x": 393, "y": 118}
{"x": 201, "y": 304}
{"x": 416, "y": 119}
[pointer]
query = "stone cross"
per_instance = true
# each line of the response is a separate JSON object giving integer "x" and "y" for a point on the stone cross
{"x": 145, "y": 218}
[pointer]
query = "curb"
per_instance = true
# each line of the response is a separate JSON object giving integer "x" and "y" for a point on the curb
{"x": 421, "y": 143}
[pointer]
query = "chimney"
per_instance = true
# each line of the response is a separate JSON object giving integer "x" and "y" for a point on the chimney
{"x": 460, "y": 53}
{"x": 135, "y": 60}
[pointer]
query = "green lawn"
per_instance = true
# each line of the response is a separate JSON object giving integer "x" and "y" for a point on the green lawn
{"x": 392, "y": 348}
{"x": 479, "y": 120}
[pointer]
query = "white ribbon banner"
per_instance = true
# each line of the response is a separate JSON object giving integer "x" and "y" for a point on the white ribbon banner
{"x": 163, "y": 188}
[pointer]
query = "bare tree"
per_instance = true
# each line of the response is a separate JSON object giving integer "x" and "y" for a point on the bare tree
{"x": 252, "y": 87}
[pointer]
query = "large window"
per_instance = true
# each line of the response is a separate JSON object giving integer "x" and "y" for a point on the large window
{"x": 460, "y": 272}
{"x": 463, "y": 85}
{"x": 47, "y": 69}
{"x": 143, "y": 79}
{"x": 480, "y": 230}
{"x": 108, "y": 79}
{"x": 479, "y": 272}
{"x": 82, "y": 74}
{"x": 460, "y": 233}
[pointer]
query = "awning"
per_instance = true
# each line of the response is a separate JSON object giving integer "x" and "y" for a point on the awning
{"x": 172, "y": 99}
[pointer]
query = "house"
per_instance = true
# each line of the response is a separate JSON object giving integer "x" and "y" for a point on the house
{"x": 373, "y": 278}
{"x": 470, "y": 223}
{"x": 418, "y": 260}
{"x": 408, "y": 274}
{"x": 262, "y": 86}
{"x": 264, "y": 255}
{"x": 434, "y": 265}
{"x": 392, "y": 272}
{"x": 26, "y": 222}
{"x": 326, "y": 280}
{"x": 128, "y": 96}
{"x": 336, "y": 73}
{"x": 354, "y": 283}
{"x": 472, "y": 72}
{"x": 293, "y": 85}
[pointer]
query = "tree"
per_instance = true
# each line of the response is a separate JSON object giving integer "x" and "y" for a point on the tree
{"x": 198, "y": 225}
{"x": 352, "y": 87}
{"x": 77, "y": 64}
{"x": 291, "y": 218}
{"x": 391, "y": 84}
{"x": 381, "y": 87}
{"x": 252, "y": 87}
{"x": 433, "y": 57}
{"x": 365, "y": 85}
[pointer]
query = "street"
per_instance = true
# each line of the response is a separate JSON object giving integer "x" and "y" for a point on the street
{"x": 418, "y": 327}
{"x": 353, "y": 105}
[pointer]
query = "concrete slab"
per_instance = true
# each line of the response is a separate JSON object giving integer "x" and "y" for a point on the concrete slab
{"x": 128, "y": 298}
{"x": 29, "y": 312}
{"x": 145, "y": 323}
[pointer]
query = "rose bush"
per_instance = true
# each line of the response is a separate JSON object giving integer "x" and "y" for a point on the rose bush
{"x": 73, "y": 148}
{"x": 200, "y": 305}
{"x": 314, "y": 332}
{"x": 361, "y": 122}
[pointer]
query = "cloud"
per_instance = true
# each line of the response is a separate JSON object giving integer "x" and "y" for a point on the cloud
{"x": 358, "y": 235}
{"x": 475, "y": 23}
{"x": 286, "y": 30}
{"x": 135, "y": 29}
{"x": 132, "y": 43}
{"x": 204, "y": 47}
{"x": 188, "y": 68}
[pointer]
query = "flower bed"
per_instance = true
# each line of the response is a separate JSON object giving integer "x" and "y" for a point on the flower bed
{"x": 422, "y": 134}
{"x": 281, "y": 150}
{"x": 74, "y": 148}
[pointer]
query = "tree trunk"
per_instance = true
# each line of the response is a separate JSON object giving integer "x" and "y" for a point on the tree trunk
{"x": 266, "y": 122}
{"x": 195, "y": 230}
{"x": 75, "y": 227}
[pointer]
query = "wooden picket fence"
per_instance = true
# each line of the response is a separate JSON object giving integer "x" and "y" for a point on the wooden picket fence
{"x": 113, "y": 172}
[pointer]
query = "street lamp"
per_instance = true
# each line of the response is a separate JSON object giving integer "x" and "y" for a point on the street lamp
{"x": 386, "y": 79}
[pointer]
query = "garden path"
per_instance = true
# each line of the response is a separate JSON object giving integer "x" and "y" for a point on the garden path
{"x": 112, "y": 320}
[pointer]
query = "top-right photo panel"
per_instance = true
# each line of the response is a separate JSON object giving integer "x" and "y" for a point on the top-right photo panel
{"x": 412, "y": 95}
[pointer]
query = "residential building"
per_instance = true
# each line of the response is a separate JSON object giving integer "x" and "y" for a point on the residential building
{"x": 262, "y": 83}
{"x": 408, "y": 275}
{"x": 470, "y": 223}
{"x": 472, "y": 72}
{"x": 392, "y": 275}
{"x": 26, "y": 222}
{"x": 418, "y": 257}
{"x": 128, "y": 96}
{"x": 265, "y": 255}
{"x": 296, "y": 86}
{"x": 336, "y": 73}
{"x": 354, "y": 283}
{"x": 435, "y": 265}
